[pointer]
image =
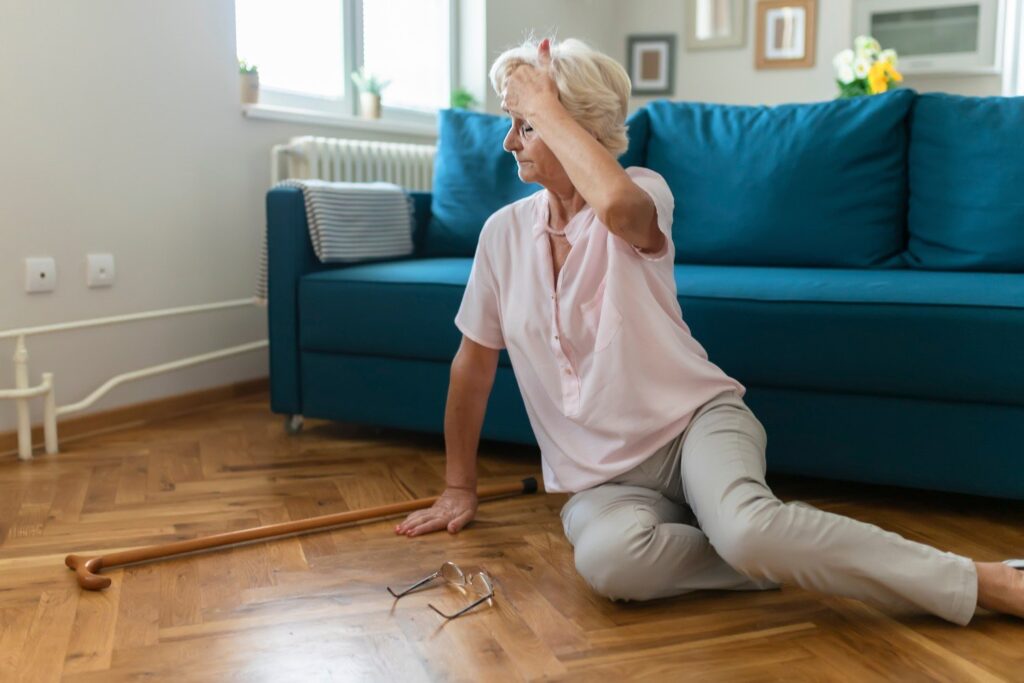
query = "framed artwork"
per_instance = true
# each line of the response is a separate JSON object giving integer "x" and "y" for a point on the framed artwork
{"x": 785, "y": 34}
{"x": 712, "y": 24}
{"x": 652, "y": 60}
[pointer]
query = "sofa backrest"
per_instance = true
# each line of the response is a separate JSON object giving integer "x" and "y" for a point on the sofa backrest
{"x": 966, "y": 178}
{"x": 816, "y": 185}
{"x": 896, "y": 180}
{"x": 474, "y": 177}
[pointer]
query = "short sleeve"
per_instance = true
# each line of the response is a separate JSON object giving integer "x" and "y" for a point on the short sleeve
{"x": 654, "y": 185}
{"x": 479, "y": 316}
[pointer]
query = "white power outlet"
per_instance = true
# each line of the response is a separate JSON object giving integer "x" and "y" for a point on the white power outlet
{"x": 40, "y": 274}
{"x": 99, "y": 270}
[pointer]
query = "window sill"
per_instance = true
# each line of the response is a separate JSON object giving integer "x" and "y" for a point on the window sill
{"x": 267, "y": 111}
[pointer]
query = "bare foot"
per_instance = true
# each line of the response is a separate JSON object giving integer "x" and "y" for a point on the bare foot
{"x": 1000, "y": 588}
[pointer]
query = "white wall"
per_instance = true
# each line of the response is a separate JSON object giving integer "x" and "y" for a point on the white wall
{"x": 121, "y": 131}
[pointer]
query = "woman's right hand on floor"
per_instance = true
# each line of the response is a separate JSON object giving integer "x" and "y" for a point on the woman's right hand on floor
{"x": 452, "y": 510}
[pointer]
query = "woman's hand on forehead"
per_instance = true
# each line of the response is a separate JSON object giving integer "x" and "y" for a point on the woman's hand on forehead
{"x": 530, "y": 87}
{"x": 515, "y": 115}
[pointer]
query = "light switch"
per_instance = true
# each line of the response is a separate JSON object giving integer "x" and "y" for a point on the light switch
{"x": 99, "y": 270}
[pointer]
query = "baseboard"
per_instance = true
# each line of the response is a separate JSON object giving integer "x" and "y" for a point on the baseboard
{"x": 72, "y": 428}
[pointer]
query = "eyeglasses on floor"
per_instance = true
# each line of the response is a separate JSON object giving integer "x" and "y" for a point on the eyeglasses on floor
{"x": 477, "y": 582}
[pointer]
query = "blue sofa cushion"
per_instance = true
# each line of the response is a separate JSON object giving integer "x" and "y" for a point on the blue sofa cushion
{"x": 821, "y": 184}
{"x": 908, "y": 333}
{"x": 966, "y": 174}
{"x": 404, "y": 309}
{"x": 921, "y": 334}
{"x": 638, "y": 129}
{"x": 474, "y": 176}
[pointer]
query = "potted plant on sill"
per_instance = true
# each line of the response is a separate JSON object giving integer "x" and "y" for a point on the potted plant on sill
{"x": 462, "y": 99}
{"x": 370, "y": 88}
{"x": 250, "y": 82}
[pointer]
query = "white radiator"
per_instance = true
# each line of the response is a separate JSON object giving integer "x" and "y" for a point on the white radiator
{"x": 337, "y": 159}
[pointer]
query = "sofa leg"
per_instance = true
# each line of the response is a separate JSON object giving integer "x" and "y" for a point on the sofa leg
{"x": 292, "y": 424}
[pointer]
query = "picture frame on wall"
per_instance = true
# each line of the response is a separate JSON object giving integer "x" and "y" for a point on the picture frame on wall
{"x": 651, "y": 63}
{"x": 715, "y": 24}
{"x": 785, "y": 34}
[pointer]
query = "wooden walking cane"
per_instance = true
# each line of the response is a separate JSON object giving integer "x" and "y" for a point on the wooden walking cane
{"x": 86, "y": 568}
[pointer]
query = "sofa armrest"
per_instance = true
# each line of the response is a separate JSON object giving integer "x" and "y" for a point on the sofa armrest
{"x": 290, "y": 257}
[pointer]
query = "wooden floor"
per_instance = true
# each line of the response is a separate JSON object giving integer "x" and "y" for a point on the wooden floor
{"x": 315, "y": 608}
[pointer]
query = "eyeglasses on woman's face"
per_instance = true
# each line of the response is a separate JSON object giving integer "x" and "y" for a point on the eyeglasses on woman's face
{"x": 525, "y": 131}
{"x": 477, "y": 582}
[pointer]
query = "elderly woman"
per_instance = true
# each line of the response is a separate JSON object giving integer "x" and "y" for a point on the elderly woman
{"x": 665, "y": 460}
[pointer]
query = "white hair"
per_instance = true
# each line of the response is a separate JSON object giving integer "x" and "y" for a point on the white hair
{"x": 593, "y": 87}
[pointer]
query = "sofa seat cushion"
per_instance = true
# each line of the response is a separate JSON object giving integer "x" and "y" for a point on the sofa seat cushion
{"x": 402, "y": 309}
{"x": 920, "y": 334}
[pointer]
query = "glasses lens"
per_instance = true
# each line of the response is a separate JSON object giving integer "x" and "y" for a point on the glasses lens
{"x": 481, "y": 583}
{"x": 451, "y": 573}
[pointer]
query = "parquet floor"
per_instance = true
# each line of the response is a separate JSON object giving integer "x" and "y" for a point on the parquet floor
{"x": 314, "y": 607}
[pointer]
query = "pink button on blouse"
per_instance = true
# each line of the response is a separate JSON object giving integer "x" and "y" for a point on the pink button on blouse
{"x": 608, "y": 370}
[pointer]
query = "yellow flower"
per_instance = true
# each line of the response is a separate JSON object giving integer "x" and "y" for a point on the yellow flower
{"x": 880, "y": 74}
{"x": 878, "y": 81}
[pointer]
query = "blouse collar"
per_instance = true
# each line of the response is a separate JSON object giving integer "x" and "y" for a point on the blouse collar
{"x": 542, "y": 214}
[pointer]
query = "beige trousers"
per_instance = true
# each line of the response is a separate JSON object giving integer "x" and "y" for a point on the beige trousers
{"x": 698, "y": 515}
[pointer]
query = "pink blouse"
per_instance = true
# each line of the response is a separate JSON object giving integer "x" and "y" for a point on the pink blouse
{"x": 608, "y": 370}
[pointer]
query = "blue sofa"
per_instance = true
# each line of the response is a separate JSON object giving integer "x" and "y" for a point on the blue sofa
{"x": 857, "y": 264}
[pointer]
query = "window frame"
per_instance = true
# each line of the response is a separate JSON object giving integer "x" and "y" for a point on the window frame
{"x": 352, "y": 42}
{"x": 1013, "y": 48}
{"x": 1018, "y": 71}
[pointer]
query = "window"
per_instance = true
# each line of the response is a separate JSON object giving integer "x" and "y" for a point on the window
{"x": 305, "y": 51}
{"x": 413, "y": 52}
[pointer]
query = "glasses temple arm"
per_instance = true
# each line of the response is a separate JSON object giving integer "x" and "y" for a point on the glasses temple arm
{"x": 464, "y": 609}
{"x": 415, "y": 585}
